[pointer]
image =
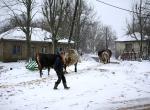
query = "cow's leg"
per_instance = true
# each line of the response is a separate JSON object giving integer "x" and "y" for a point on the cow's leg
{"x": 100, "y": 59}
{"x": 75, "y": 65}
{"x": 48, "y": 70}
{"x": 41, "y": 72}
{"x": 65, "y": 69}
{"x": 107, "y": 59}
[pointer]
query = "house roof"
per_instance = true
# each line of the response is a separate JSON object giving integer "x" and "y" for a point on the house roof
{"x": 37, "y": 35}
{"x": 131, "y": 37}
{"x": 64, "y": 41}
{"x": 17, "y": 34}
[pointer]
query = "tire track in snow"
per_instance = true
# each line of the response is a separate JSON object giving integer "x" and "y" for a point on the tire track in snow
{"x": 37, "y": 81}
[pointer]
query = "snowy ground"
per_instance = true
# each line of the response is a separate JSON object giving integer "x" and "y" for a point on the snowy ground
{"x": 96, "y": 86}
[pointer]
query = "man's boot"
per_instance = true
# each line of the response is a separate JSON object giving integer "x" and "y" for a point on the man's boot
{"x": 65, "y": 86}
{"x": 55, "y": 86}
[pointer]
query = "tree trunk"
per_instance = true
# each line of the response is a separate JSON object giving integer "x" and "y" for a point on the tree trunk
{"x": 106, "y": 38}
{"x": 141, "y": 29}
{"x": 141, "y": 46}
{"x": 149, "y": 49}
{"x": 28, "y": 44}
{"x": 54, "y": 41}
{"x": 73, "y": 22}
{"x": 28, "y": 29}
{"x": 79, "y": 25}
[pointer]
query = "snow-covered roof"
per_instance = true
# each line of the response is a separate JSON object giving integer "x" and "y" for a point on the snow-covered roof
{"x": 64, "y": 41}
{"x": 131, "y": 37}
{"x": 37, "y": 35}
{"x": 17, "y": 34}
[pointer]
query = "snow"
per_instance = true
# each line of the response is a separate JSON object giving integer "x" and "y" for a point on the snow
{"x": 37, "y": 35}
{"x": 95, "y": 86}
{"x": 131, "y": 37}
{"x": 17, "y": 34}
{"x": 65, "y": 41}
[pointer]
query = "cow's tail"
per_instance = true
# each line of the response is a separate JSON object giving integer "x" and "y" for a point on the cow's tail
{"x": 105, "y": 56}
{"x": 38, "y": 60}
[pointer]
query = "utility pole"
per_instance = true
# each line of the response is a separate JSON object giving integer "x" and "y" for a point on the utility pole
{"x": 106, "y": 38}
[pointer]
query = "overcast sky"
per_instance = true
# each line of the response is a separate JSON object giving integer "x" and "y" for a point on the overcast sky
{"x": 111, "y": 16}
{"x": 108, "y": 15}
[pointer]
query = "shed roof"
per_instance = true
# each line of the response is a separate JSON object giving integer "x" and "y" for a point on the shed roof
{"x": 64, "y": 41}
{"x": 38, "y": 34}
{"x": 131, "y": 37}
{"x": 17, "y": 34}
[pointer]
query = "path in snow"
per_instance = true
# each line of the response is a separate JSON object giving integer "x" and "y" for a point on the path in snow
{"x": 118, "y": 85}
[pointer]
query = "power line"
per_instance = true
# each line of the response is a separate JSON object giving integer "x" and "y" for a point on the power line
{"x": 119, "y": 7}
{"x": 115, "y": 6}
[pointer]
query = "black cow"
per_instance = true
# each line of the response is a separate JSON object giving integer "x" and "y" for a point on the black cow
{"x": 45, "y": 61}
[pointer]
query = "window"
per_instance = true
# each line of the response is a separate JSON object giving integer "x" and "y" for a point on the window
{"x": 16, "y": 50}
{"x": 59, "y": 49}
{"x": 43, "y": 49}
{"x": 145, "y": 49}
{"x": 128, "y": 47}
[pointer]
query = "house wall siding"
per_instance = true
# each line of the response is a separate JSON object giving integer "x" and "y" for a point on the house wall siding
{"x": 120, "y": 47}
{"x": 6, "y": 46}
{"x": 1, "y": 51}
{"x": 8, "y": 51}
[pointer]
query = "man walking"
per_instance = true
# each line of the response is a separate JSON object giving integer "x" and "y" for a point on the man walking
{"x": 58, "y": 67}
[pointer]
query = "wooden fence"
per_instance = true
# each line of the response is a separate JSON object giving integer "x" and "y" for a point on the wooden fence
{"x": 130, "y": 55}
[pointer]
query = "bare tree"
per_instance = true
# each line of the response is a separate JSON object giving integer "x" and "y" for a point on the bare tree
{"x": 53, "y": 12}
{"x": 147, "y": 27}
{"x": 139, "y": 21}
{"x": 78, "y": 25}
{"x": 23, "y": 18}
{"x": 105, "y": 38}
{"x": 87, "y": 25}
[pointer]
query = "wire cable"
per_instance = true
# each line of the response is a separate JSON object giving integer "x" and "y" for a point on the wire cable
{"x": 115, "y": 6}
{"x": 120, "y": 8}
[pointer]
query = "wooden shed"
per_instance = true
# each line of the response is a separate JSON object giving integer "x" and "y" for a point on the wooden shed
{"x": 128, "y": 47}
{"x": 13, "y": 44}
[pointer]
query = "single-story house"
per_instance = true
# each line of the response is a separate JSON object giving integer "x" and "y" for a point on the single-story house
{"x": 129, "y": 45}
{"x": 13, "y": 44}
